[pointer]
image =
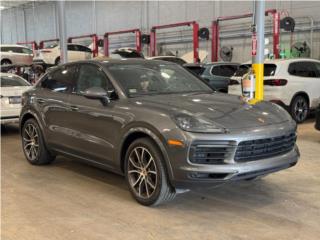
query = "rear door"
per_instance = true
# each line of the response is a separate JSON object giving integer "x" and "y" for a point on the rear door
{"x": 93, "y": 123}
{"x": 52, "y": 95}
{"x": 305, "y": 77}
{"x": 73, "y": 53}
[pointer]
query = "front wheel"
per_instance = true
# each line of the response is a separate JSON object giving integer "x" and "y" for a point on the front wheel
{"x": 146, "y": 174}
{"x": 33, "y": 144}
{"x": 299, "y": 109}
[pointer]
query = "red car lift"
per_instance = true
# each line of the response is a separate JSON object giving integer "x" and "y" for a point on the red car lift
{"x": 33, "y": 44}
{"x": 195, "y": 28}
{"x": 106, "y": 41}
{"x": 94, "y": 38}
{"x": 275, "y": 30}
{"x": 41, "y": 43}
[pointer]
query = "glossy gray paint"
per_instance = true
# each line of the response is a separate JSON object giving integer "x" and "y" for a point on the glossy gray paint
{"x": 89, "y": 130}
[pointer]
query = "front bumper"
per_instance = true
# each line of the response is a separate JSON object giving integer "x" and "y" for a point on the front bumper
{"x": 11, "y": 119}
{"x": 187, "y": 174}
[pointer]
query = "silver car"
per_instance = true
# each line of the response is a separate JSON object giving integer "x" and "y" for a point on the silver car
{"x": 15, "y": 55}
{"x": 155, "y": 123}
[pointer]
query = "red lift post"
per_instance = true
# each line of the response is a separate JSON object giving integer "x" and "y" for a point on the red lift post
{"x": 33, "y": 44}
{"x": 275, "y": 31}
{"x": 106, "y": 41}
{"x": 195, "y": 28}
{"x": 41, "y": 43}
{"x": 94, "y": 38}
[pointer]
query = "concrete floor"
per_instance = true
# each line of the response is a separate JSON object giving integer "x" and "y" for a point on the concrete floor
{"x": 70, "y": 200}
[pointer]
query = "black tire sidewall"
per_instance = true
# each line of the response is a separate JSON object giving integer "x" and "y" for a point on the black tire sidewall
{"x": 292, "y": 106}
{"x": 161, "y": 174}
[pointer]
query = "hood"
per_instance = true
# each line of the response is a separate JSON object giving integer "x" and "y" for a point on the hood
{"x": 228, "y": 111}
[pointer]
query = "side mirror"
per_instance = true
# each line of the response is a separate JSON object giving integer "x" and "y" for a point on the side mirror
{"x": 97, "y": 93}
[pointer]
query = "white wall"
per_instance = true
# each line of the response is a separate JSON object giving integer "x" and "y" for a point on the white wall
{"x": 38, "y": 21}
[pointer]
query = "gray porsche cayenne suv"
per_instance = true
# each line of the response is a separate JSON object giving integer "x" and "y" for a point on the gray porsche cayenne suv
{"x": 155, "y": 123}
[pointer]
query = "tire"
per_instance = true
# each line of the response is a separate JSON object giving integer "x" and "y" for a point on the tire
{"x": 149, "y": 185}
{"x": 299, "y": 108}
{"x": 33, "y": 144}
{"x": 57, "y": 61}
{"x": 6, "y": 62}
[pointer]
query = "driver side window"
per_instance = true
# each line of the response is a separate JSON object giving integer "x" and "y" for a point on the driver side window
{"x": 92, "y": 76}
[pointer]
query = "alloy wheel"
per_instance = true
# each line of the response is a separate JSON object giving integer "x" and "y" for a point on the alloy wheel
{"x": 31, "y": 142}
{"x": 300, "y": 109}
{"x": 142, "y": 172}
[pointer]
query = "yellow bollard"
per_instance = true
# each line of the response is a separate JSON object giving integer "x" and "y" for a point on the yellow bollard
{"x": 258, "y": 70}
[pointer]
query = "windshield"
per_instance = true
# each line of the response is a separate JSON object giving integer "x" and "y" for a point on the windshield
{"x": 13, "y": 81}
{"x": 150, "y": 79}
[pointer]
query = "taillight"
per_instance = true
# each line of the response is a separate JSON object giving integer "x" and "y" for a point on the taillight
{"x": 46, "y": 51}
{"x": 233, "y": 82}
{"x": 276, "y": 82}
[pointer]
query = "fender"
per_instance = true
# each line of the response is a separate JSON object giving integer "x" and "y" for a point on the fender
{"x": 153, "y": 134}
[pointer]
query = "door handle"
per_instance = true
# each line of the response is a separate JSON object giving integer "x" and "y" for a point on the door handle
{"x": 74, "y": 108}
{"x": 41, "y": 100}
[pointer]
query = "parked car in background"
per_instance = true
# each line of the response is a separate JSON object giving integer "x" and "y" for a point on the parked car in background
{"x": 155, "y": 123}
{"x": 51, "y": 54}
{"x": 12, "y": 87}
{"x": 291, "y": 83}
{"x": 15, "y": 55}
{"x": 317, "y": 125}
{"x": 173, "y": 59}
{"x": 216, "y": 74}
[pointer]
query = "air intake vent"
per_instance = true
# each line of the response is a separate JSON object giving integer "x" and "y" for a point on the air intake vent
{"x": 264, "y": 148}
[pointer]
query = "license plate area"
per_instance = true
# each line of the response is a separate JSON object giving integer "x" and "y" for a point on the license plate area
{"x": 15, "y": 100}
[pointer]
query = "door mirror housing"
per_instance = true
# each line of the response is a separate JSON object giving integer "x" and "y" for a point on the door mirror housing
{"x": 97, "y": 93}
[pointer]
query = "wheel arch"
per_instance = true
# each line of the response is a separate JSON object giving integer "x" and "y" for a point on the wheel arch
{"x": 300, "y": 93}
{"x": 139, "y": 132}
{"x": 6, "y": 59}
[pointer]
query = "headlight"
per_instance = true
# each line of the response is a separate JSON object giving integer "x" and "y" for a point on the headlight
{"x": 192, "y": 124}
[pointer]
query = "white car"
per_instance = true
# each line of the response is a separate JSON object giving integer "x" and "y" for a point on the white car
{"x": 15, "y": 55}
{"x": 51, "y": 54}
{"x": 291, "y": 83}
{"x": 12, "y": 87}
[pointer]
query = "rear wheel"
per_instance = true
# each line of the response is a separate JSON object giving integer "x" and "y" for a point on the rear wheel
{"x": 146, "y": 174}
{"x": 299, "y": 108}
{"x": 33, "y": 144}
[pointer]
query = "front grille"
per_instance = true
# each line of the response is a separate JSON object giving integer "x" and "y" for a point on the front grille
{"x": 264, "y": 148}
{"x": 210, "y": 153}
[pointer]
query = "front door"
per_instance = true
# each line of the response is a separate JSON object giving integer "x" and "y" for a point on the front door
{"x": 93, "y": 122}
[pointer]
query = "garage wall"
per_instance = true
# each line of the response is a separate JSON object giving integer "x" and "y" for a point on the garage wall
{"x": 37, "y": 21}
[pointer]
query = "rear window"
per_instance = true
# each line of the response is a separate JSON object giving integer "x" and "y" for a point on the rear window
{"x": 13, "y": 81}
{"x": 269, "y": 70}
{"x": 224, "y": 70}
{"x": 198, "y": 70}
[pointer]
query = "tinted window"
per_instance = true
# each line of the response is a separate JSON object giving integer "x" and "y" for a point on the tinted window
{"x": 317, "y": 65}
{"x": 91, "y": 76}
{"x": 11, "y": 49}
{"x": 302, "y": 69}
{"x": 84, "y": 49}
{"x": 224, "y": 70}
{"x": 5, "y": 49}
{"x": 198, "y": 70}
{"x": 269, "y": 70}
{"x": 13, "y": 81}
{"x": 72, "y": 48}
{"x": 26, "y": 50}
{"x": 60, "y": 80}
